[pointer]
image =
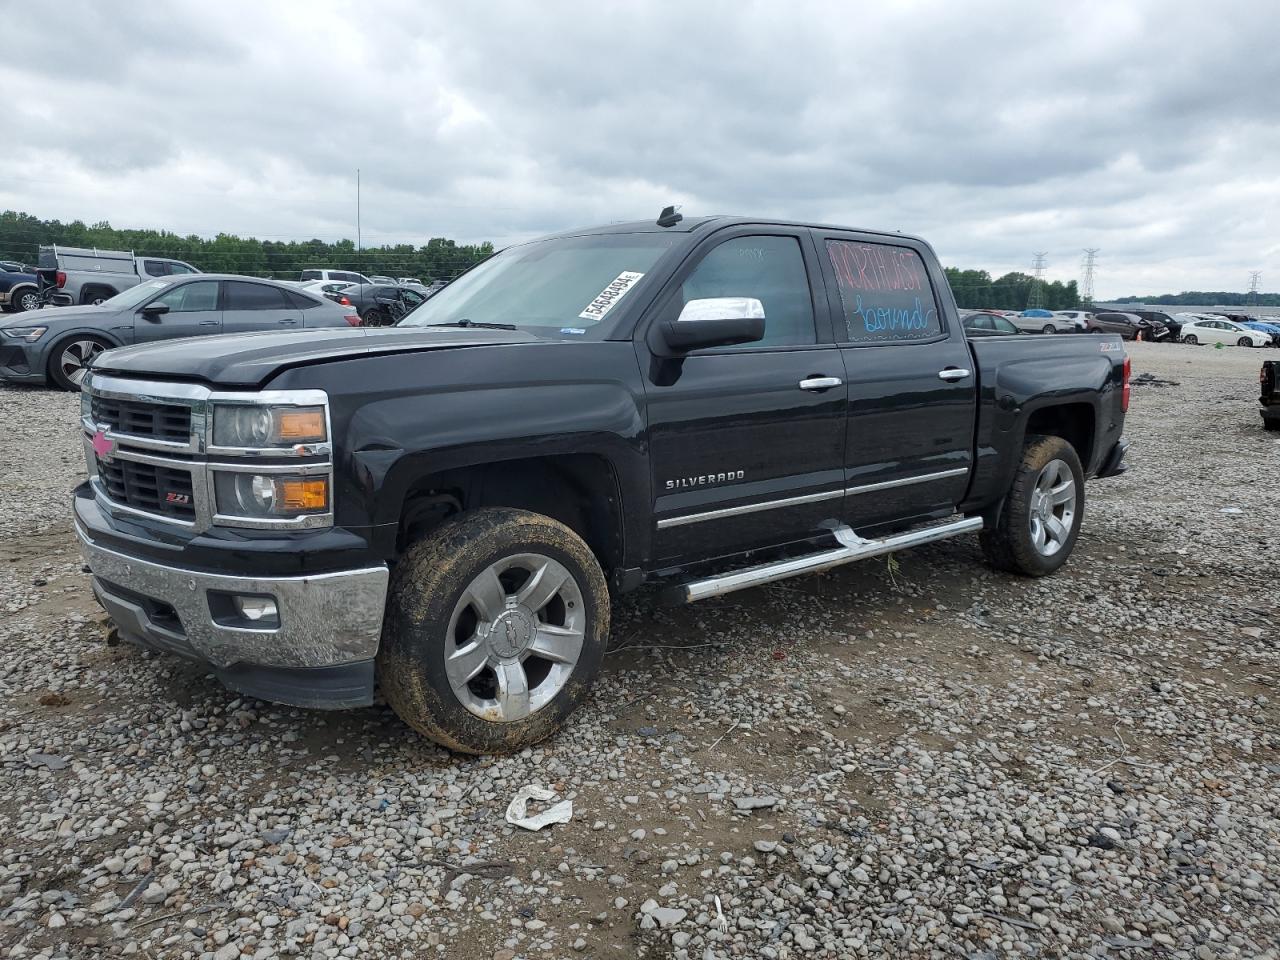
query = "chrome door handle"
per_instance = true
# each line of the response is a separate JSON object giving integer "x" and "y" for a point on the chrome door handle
{"x": 210, "y": 323}
{"x": 288, "y": 323}
{"x": 952, "y": 373}
{"x": 820, "y": 383}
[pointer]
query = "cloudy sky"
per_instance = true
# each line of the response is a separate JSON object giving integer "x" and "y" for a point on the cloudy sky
{"x": 994, "y": 129}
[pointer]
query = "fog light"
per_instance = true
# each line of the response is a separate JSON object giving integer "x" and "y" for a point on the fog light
{"x": 256, "y": 608}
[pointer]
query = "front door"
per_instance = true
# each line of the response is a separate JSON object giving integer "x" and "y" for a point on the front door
{"x": 747, "y": 442}
{"x": 248, "y": 307}
{"x": 193, "y": 311}
{"x": 912, "y": 386}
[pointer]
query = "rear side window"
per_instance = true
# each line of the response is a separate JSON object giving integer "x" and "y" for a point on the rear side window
{"x": 349, "y": 277}
{"x": 884, "y": 292}
{"x": 300, "y": 300}
{"x": 311, "y": 275}
{"x": 239, "y": 295}
{"x": 155, "y": 268}
{"x": 770, "y": 269}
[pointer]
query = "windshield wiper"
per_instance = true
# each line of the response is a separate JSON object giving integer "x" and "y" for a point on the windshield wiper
{"x": 464, "y": 322}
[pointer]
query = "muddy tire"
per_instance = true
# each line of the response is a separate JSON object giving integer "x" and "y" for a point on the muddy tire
{"x": 1041, "y": 516}
{"x": 495, "y": 630}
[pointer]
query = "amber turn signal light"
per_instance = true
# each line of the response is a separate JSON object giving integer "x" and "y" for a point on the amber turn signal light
{"x": 302, "y": 496}
{"x": 306, "y": 424}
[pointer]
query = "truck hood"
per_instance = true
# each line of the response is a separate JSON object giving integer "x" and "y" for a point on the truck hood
{"x": 250, "y": 359}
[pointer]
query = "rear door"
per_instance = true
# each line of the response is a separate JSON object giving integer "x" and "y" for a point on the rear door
{"x": 912, "y": 387}
{"x": 248, "y": 306}
{"x": 747, "y": 442}
{"x": 193, "y": 311}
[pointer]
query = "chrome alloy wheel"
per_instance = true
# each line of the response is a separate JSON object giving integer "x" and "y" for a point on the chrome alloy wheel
{"x": 1053, "y": 508}
{"x": 514, "y": 638}
{"x": 76, "y": 356}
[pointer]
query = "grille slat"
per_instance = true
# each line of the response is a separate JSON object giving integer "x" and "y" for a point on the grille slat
{"x": 140, "y": 418}
{"x": 146, "y": 486}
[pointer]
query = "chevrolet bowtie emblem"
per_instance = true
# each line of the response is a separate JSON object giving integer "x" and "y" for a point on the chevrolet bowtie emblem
{"x": 103, "y": 445}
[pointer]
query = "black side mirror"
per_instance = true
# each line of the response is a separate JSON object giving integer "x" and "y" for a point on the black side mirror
{"x": 154, "y": 311}
{"x": 715, "y": 322}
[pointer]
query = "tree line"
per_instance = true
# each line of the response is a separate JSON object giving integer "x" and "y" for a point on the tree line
{"x": 21, "y": 236}
{"x": 1217, "y": 298}
{"x": 1013, "y": 291}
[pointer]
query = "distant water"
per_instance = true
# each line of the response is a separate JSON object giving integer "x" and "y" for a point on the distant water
{"x": 1171, "y": 308}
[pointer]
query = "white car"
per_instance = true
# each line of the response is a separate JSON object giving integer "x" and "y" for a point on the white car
{"x": 343, "y": 276}
{"x": 384, "y": 280}
{"x": 1077, "y": 317}
{"x": 1222, "y": 331}
{"x": 1053, "y": 323}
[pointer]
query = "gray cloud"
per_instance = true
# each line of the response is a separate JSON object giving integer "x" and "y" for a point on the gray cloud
{"x": 992, "y": 128}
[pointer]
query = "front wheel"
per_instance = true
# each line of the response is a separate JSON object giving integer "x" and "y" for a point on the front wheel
{"x": 1040, "y": 519}
{"x": 495, "y": 629}
{"x": 69, "y": 360}
{"x": 1049, "y": 328}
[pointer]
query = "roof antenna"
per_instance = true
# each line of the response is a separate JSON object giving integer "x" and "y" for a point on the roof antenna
{"x": 668, "y": 217}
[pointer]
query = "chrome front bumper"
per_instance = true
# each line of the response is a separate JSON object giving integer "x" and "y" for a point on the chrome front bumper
{"x": 324, "y": 620}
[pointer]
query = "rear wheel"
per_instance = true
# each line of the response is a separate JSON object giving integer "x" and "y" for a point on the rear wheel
{"x": 69, "y": 359}
{"x": 27, "y": 300}
{"x": 1244, "y": 342}
{"x": 1040, "y": 518}
{"x": 96, "y": 295}
{"x": 1191, "y": 339}
{"x": 495, "y": 630}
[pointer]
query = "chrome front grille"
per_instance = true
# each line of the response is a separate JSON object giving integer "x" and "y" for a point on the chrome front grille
{"x": 149, "y": 453}
{"x": 136, "y": 418}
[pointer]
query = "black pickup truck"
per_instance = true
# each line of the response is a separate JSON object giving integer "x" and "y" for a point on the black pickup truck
{"x": 1269, "y": 394}
{"x": 445, "y": 507}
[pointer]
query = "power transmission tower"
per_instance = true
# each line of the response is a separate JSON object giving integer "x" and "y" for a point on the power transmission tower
{"x": 1087, "y": 266}
{"x": 1255, "y": 278}
{"x": 1036, "y": 299}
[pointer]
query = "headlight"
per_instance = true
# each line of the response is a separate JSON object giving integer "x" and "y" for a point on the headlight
{"x": 29, "y": 334}
{"x": 269, "y": 496}
{"x": 249, "y": 425}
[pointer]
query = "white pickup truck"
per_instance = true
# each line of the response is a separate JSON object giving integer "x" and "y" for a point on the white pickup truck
{"x": 74, "y": 275}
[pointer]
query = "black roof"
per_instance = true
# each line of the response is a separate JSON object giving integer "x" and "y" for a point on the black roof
{"x": 691, "y": 224}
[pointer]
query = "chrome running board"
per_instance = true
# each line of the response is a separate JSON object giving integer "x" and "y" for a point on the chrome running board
{"x": 852, "y": 547}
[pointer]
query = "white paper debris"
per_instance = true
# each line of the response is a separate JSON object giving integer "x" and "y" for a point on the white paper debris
{"x": 517, "y": 809}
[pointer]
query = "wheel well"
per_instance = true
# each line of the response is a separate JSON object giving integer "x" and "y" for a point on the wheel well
{"x": 88, "y": 291}
{"x": 579, "y": 490}
{"x": 1072, "y": 422}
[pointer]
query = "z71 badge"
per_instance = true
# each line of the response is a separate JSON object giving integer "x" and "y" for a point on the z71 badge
{"x": 706, "y": 479}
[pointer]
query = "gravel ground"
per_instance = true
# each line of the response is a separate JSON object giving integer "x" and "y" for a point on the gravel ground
{"x": 920, "y": 759}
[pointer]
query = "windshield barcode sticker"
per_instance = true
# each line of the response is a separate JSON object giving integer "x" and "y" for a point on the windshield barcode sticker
{"x": 610, "y": 295}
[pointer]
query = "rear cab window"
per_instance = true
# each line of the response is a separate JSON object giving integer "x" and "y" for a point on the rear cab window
{"x": 885, "y": 295}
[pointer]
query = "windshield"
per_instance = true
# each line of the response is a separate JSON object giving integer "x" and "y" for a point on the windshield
{"x": 135, "y": 295}
{"x": 559, "y": 288}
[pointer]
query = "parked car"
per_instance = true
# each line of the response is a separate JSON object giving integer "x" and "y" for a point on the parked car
{"x": 384, "y": 280}
{"x": 57, "y": 344}
{"x": 1042, "y": 321}
{"x": 19, "y": 287}
{"x": 326, "y": 288}
{"x": 76, "y": 275}
{"x": 344, "y": 276}
{"x": 662, "y": 403}
{"x": 380, "y": 304}
{"x": 411, "y": 282}
{"x": 1270, "y": 328}
{"x": 1079, "y": 318}
{"x": 1128, "y": 325}
{"x": 1269, "y": 394}
{"x": 984, "y": 324}
{"x": 1224, "y": 332}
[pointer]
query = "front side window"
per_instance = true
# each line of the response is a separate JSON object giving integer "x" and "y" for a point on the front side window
{"x": 770, "y": 269}
{"x": 181, "y": 268}
{"x": 252, "y": 296}
{"x": 189, "y": 297}
{"x": 884, "y": 291}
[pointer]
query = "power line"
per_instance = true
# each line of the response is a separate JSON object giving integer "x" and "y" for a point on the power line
{"x": 1088, "y": 265}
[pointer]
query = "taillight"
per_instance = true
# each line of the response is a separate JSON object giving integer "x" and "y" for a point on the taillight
{"x": 62, "y": 279}
{"x": 1124, "y": 392}
{"x": 353, "y": 320}
{"x": 344, "y": 301}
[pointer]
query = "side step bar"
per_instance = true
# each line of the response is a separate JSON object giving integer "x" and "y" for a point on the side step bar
{"x": 852, "y": 547}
